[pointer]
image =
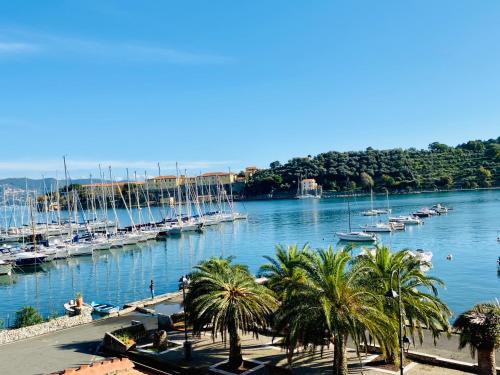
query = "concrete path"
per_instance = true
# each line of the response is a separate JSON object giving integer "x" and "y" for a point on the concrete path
{"x": 78, "y": 345}
{"x": 67, "y": 348}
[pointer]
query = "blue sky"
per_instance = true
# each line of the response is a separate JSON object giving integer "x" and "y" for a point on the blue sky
{"x": 218, "y": 84}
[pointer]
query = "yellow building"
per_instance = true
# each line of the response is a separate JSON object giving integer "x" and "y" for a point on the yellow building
{"x": 308, "y": 184}
{"x": 215, "y": 178}
{"x": 118, "y": 186}
{"x": 165, "y": 182}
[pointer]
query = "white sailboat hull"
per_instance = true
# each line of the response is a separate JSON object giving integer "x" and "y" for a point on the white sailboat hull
{"x": 356, "y": 236}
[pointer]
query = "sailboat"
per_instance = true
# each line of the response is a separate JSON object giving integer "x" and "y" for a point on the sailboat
{"x": 355, "y": 236}
{"x": 376, "y": 227}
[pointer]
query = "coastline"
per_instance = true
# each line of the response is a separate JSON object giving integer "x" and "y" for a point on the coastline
{"x": 343, "y": 194}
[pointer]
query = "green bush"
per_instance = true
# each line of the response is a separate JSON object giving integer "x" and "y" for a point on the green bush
{"x": 27, "y": 316}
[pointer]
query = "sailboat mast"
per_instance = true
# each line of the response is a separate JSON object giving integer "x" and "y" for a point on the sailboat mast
{"x": 349, "y": 212}
{"x": 162, "y": 201}
{"x": 68, "y": 206}
{"x": 139, "y": 213}
{"x": 179, "y": 198}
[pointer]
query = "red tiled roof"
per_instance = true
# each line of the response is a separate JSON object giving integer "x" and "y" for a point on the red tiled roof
{"x": 209, "y": 174}
{"x": 114, "y": 184}
{"x": 170, "y": 177}
{"x": 113, "y": 366}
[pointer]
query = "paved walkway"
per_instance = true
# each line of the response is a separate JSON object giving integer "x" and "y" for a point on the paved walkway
{"x": 78, "y": 345}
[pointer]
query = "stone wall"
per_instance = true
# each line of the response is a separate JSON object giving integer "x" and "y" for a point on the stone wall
{"x": 11, "y": 335}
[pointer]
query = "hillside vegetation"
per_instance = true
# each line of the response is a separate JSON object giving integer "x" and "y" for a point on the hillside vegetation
{"x": 470, "y": 165}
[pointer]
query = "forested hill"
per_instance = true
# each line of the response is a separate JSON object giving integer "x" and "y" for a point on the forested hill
{"x": 469, "y": 165}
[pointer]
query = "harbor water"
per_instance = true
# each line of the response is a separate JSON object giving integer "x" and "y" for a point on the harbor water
{"x": 468, "y": 233}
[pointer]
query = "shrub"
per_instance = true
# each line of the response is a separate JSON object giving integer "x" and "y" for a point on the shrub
{"x": 27, "y": 316}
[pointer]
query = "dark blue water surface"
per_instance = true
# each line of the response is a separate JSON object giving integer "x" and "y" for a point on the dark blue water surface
{"x": 468, "y": 232}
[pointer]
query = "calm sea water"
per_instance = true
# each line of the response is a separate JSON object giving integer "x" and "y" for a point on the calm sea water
{"x": 122, "y": 275}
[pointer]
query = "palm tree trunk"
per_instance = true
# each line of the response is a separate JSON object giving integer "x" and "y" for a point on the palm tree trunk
{"x": 340, "y": 356}
{"x": 486, "y": 362}
{"x": 235, "y": 357}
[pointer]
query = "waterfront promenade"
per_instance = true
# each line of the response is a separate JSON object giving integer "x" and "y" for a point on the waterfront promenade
{"x": 79, "y": 345}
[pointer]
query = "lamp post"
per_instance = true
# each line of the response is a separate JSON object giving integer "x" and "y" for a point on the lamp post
{"x": 183, "y": 283}
{"x": 391, "y": 293}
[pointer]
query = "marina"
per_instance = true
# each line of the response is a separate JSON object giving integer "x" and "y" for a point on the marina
{"x": 121, "y": 274}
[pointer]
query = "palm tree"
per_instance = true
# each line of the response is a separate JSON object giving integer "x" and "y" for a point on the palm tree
{"x": 422, "y": 309}
{"x": 225, "y": 297}
{"x": 331, "y": 305}
{"x": 284, "y": 270}
{"x": 480, "y": 329}
{"x": 284, "y": 275}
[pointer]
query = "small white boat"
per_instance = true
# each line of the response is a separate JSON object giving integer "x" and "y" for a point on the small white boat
{"x": 307, "y": 196}
{"x": 104, "y": 308}
{"x": 378, "y": 227}
{"x": 407, "y": 220}
{"x": 370, "y": 213}
{"x": 424, "y": 212}
{"x": 440, "y": 209}
{"x": 240, "y": 216}
{"x": 77, "y": 249}
{"x": 356, "y": 236}
{"x": 425, "y": 258}
{"x": 397, "y": 225}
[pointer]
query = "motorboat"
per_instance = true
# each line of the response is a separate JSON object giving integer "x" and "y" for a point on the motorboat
{"x": 104, "y": 308}
{"x": 424, "y": 212}
{"x": 378, "y": 227}
{"x": 397, "y": 225}
{"x": 240, "y": 216}
{"x": 407, "y": 220}
{"x": 27, "y": 258}
{"x": 370, "y": 213}
{"x": 440, "y": 209}
{"x": 356, "y": 236}
{"x": 425, "y": 258}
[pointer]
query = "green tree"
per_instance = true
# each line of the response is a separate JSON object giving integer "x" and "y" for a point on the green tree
{"x": 420, "y": 302}
{"x": 275, "y": 164}
{"x": 445, "y": 182}
{"x": 225, "y": 297}
{"x": 438, "y": 147}
{"x": 285, "y": 275}
{"x": 480, "y": 329}
{"x": 27, "y": 316}
{"x": 330, "y": 304}
{"x": 388, "y": 181}
{"x": 484, "y": 176}
{"x": 283, "y": 272}
{"x": 366, "y": 180}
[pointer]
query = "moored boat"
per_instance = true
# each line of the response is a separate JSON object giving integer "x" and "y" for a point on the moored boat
{"x": 356, "y": 236}
{"x": 104, "y": 308}
{"x": 377, "y": 227}
{"x": 407, "y": 220}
